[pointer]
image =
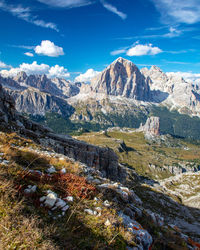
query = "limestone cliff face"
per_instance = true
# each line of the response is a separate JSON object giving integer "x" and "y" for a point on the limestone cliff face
{"x": 122, "y": 78}
{"x": 103, "y": 159}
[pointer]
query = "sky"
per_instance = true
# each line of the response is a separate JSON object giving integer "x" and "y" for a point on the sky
{"x": 76, "y": 39}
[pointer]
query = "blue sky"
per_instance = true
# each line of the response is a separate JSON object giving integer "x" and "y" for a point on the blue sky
{"x": 67, "y": 37}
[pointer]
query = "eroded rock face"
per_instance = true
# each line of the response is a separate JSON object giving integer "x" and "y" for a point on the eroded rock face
{"x": 151, "y": 127}
{"x": 122, "y": 78}
{"x": 103, "y": 159}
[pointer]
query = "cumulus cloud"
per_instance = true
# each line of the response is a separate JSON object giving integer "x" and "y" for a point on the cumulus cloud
{"x": 58, "y": 71}
{"x": 48, "y": 48}
{"x": 4, "y": 65}
{"x": 188, "y": 76}
{"x": 26, "y": 15}
{"x": 179, "y": 11}
{"x": 141, "y": 50}
{"x": 35, "y": 68}
{"x": 29, "y": 54}
{"x": 113, "y": 9}
{"x": 87, "y": 76}
{"x": 66, "y": 3}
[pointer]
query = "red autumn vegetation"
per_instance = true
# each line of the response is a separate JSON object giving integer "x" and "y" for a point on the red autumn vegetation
{"x": 67, "y": 184}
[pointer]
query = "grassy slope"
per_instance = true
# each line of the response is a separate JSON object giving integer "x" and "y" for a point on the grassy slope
{"x": 26, "y": 225}
{"x": 142, "y": 153}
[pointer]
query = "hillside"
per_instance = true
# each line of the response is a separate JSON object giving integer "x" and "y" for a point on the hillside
{"x": 163, "y": 164}
{"x": 41, "y": 189}
{"x": 80, "y": 192}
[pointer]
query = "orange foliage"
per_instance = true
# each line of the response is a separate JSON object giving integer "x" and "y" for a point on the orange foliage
{"x": 67, "y": 184}
{"x": 194, "y": 244}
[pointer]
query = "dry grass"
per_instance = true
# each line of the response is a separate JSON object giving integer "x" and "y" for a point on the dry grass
{"x": 17, "y": 230}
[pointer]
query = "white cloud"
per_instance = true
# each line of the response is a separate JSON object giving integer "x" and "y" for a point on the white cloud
{"x": 87, "y": 76}
{"x": 118, "y": 52}
{"x": 66, "y": 3}
{"x": 188, "y": 76}
{"x": 23, "y": 47}
{"x": 4, "y": 65}
{"x": 35, "y": 68}
{"x": 141, "y": 50}
{"x": 48, "y": 48}
{"x": 179, "y": 11}
{"x": 173, "y": 32}
{"x": 113, "y": 9}
{"x": 58, "y": 71}
{"x": 26, "y": 15}
{"x": 29, "y": 54}
{"x": 169, "y": 32}
{"x": 79, "y": 3}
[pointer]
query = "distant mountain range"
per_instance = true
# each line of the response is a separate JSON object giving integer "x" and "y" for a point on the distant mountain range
{"x": 121, "y": 95}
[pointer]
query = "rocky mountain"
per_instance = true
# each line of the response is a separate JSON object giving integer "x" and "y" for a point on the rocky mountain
{"x": 121, "y": 95}
{"x": 182, "y": 96}
{"x": 122, "y": 78}
{"x": 68, "y": 88}
{"x": 37, "y": 95}
{"x": 56, "y": 86}
{"x": 34, "y": 102}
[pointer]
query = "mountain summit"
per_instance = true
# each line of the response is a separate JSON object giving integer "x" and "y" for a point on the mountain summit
{"x": 122, "y": 78}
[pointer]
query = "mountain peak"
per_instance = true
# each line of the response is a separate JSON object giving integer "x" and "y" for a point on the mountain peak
{"x": 121, "y": 78}
{"x": 21, "y": 76}
{"x": 122, "y": 60}
{"x": 155, "y": 68}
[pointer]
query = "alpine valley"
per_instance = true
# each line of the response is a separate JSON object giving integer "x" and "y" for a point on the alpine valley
{"x": 110, "y": 164}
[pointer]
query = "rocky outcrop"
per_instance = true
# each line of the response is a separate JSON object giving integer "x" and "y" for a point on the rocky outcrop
{"x": 122, "y": 78}
{"x": 103, "y": 159}
{"x": 176, "y": 169}
{"x": 151, "y": 127}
